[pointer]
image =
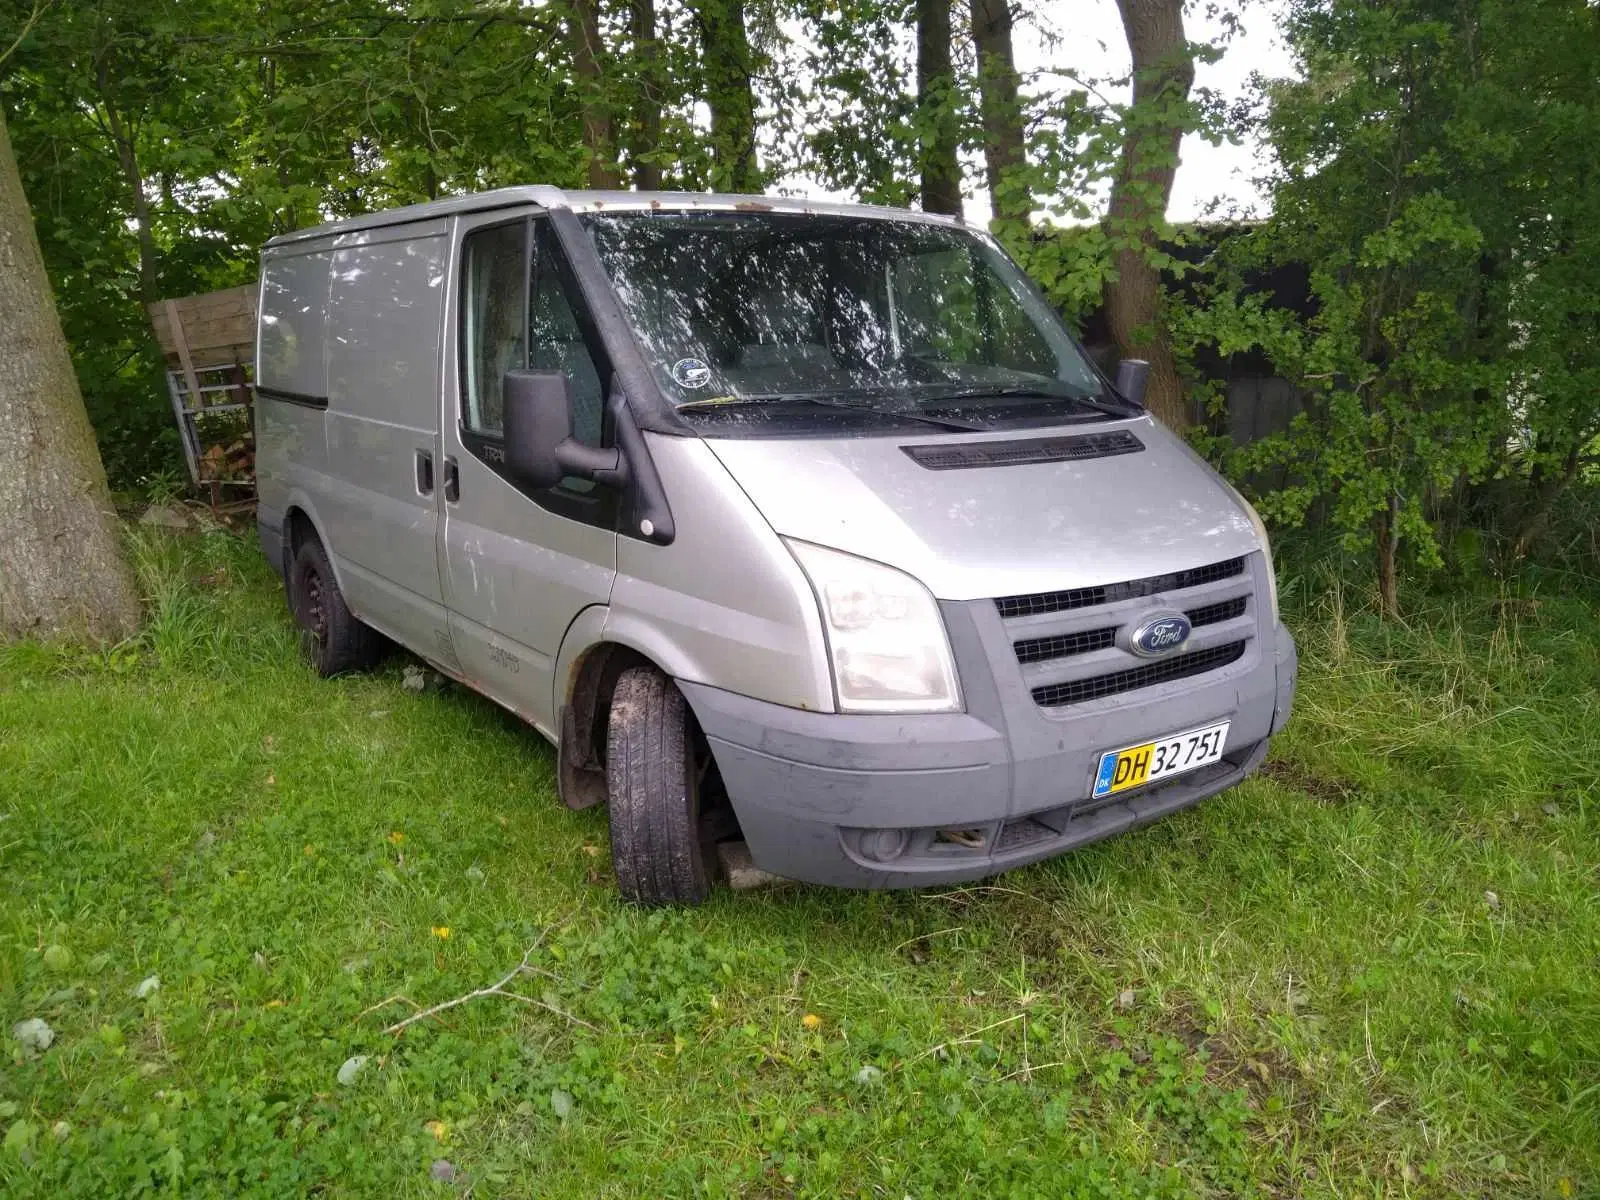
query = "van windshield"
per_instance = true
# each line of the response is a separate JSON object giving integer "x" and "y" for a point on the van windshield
{"x": 751, "y": 314}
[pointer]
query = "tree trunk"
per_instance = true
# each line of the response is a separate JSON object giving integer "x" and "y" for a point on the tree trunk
{"x": 647, "y": 97}
{"x": 61, "y": 571}
{"x": 1163, "y": 72}
{"x": 1000, "y": 107}
{"x": 583, "y": 34}
{"x": 1387, "y": 540}
{"x": 1548, "y": 487}
{"x": 128, "y": 161}
{"x": 936, "y": 113}
{"x": 728, "y": 67}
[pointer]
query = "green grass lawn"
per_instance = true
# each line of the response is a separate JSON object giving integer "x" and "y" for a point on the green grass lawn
{"x": 1372, "y": 970}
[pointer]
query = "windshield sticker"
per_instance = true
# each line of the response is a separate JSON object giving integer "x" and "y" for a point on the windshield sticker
{"x": 691, "y": 373}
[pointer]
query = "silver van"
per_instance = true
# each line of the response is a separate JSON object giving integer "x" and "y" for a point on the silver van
{"x": 803, "y": 525}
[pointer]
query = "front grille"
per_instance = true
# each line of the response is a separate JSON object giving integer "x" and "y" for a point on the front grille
{"x": 1213, "y": 614}
{"x": 1180, "y": 666}
{"x": 1064, "y": 645}
{"x": 944, "y": 457}
{"x": 1086, "y": 641}
{"x": 1071, "y": 645}
{"x": 1048, "y": 602}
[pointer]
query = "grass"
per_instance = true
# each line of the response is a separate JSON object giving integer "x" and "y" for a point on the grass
{"x": 1371, "y": 970}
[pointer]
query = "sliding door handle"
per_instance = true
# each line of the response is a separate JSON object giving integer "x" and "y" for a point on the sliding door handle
{"x": 425, "y": 472}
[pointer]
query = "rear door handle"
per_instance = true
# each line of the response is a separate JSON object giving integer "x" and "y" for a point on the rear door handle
{"x": 452, "y": 480}
{"x": 425, "y": 472}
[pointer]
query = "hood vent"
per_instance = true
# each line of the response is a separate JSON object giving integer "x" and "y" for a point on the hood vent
{"x": 944, "y": 457}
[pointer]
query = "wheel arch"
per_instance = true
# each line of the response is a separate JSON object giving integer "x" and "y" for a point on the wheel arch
{"x": 594, "y": 652}
{"x": 586, "y": 679}
{"x": 300, "y": 523}
{"x": 591, "y": 666}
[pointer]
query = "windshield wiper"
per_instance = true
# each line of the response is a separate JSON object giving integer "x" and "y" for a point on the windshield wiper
{"x": 762, "y": 398}
{"x": 1111, "y": 408}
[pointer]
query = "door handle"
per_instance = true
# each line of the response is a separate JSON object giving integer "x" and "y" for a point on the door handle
{"x": 452, "y": 480}
{"x": 425, "y": 472}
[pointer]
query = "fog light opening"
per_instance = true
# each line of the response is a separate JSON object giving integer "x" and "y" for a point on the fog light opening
{"x": 884, "y": 845}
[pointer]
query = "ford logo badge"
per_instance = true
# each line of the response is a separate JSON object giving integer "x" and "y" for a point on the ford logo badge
{"x": 1160, "y": 633}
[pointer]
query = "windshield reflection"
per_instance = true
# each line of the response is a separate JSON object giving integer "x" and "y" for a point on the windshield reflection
{"x": 799, "y": 310}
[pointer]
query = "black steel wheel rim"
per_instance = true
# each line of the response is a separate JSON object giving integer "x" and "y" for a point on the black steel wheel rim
{"x": 313, "y": 604}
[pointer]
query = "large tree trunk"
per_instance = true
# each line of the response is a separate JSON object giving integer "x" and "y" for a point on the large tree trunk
{"x": 647, "y": 96}
{"x": 1000, "y": 107}
{"x": 583, "y": 35}
{"x": 61, "y": 570}
{"x": 1163, "y": 72}
{"x": 728, "y": 69}
{"x": 936, "y": 112}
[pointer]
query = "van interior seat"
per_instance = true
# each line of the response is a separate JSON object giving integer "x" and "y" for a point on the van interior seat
{"x": 785, "y": 334}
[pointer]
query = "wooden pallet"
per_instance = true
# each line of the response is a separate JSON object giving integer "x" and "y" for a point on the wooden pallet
{"x": 209, "y": 344}
{"x": 213, "y": 327}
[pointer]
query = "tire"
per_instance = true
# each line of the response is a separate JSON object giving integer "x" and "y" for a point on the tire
{"x": 652, "y": 786}
{"x": 334, "y": 639}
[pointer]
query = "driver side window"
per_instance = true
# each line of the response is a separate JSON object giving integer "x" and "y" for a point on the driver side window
{"x": 516, "y": 315}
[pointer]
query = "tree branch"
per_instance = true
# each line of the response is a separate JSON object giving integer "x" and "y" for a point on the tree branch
{"x": 497, "y": 988}
{"x": 39, "y": 7}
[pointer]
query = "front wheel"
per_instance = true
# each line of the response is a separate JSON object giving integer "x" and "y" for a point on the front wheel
{"x": 653, "y": 792}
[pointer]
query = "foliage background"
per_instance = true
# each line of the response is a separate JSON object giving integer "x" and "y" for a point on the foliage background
{"x": 1434, "y": 172}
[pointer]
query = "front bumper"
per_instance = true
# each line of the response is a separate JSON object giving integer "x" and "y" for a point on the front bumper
{"x": 820, "y": 796}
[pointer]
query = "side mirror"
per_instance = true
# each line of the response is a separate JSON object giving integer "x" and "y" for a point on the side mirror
{"x": 1133, "y": 377}
{"x": 540, "y": 448}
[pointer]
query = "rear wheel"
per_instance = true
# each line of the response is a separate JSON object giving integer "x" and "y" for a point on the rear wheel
{"x": 653, "y": 783}
{"x": 334, "y": 638}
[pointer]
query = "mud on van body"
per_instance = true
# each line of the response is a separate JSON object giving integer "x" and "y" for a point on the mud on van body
{"x": 807, "y": 525}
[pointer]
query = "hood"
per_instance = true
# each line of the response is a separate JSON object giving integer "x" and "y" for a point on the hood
{"x": 978, "y": 532}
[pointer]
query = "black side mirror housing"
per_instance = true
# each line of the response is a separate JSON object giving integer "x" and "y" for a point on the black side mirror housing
{"x": 539, "y": 446}
{"x": 1133, "y": 377}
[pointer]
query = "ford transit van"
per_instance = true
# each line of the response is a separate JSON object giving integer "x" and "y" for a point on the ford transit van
{"x": 803, "y": 525}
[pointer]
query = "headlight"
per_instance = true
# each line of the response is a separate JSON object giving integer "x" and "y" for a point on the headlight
{"x": 885, "y": 635}
{"x": 1266, "y": 550}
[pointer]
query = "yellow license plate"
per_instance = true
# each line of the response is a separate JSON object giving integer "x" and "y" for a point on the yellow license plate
{"x": 1135, "y": 766}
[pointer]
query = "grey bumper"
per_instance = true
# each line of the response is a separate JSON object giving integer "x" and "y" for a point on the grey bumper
{"x": 820, "y": 795}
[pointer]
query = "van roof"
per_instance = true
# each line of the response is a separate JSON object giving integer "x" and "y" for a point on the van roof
{"x": 594, "y": 201}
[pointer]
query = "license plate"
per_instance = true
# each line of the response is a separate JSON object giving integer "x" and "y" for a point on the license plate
{"x": 1135, "y": 766}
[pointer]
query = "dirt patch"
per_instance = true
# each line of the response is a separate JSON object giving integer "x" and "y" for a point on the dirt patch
{"x": 1285, "y": 1098}
{"x": 1261, "y": 1072}
{"x": 1264, "y": 1072}
{"x": 1327, "y": 789}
